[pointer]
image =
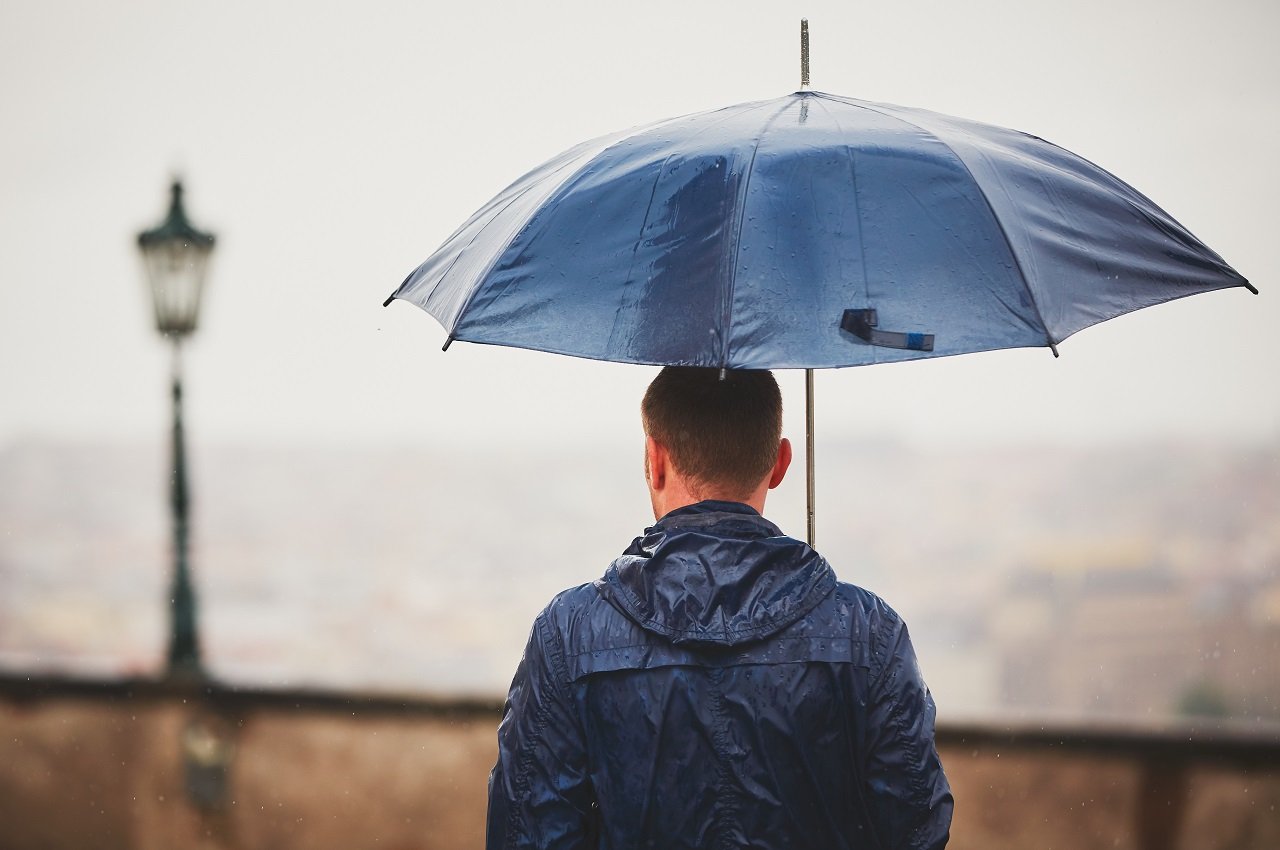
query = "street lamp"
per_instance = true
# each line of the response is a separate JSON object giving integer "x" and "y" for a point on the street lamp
{"x": 176, "y": 255}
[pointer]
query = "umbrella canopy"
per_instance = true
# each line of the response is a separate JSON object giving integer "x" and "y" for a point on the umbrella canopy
{"x": 807, "y": 231}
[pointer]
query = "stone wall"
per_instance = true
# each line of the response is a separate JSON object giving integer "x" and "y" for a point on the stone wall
{"x": 119, "y": 768}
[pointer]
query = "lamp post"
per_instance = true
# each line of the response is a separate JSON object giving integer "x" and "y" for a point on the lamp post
{"x": 175, "y": 255}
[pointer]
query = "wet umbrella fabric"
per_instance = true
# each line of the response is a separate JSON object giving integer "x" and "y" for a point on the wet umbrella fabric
{"x": 807, "y": 231}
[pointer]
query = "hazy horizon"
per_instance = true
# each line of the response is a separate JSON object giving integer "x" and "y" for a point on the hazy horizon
{"x": 420, "y": 571}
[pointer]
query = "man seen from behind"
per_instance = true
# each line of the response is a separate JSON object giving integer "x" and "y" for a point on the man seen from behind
{"x": 718, "y": 687}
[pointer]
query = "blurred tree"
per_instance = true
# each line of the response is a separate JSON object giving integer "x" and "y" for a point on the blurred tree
{"x": 1203, "y": 699}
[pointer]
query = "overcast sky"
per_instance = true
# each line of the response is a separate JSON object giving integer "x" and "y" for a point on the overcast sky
{"x": 333, "y": 146}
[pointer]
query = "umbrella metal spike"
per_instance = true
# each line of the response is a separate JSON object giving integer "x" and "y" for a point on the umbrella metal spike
{"x": 808, "y": 453}
{"x": 804, "y": 54}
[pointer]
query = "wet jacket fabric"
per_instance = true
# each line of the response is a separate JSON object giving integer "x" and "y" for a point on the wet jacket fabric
{"x": 718, "y": 688}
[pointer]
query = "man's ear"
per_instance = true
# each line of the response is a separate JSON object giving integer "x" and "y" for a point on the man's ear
{"x": 780, "y": 465}
{"x": 656, "y": 462}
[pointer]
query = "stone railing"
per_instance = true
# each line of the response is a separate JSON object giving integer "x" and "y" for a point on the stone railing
{"x": 145, "y": 764}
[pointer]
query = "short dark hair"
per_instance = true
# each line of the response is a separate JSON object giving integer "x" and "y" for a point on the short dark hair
{"x": 719, "y": 431}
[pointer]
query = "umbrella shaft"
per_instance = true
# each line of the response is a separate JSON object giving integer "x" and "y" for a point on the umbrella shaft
{"x": 808, "y": 452}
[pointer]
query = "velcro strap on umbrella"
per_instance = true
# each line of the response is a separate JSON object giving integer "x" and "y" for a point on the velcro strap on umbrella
{"x": 862, "y": 324}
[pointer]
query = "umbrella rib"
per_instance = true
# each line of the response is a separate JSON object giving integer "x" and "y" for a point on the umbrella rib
{"x": 737, "y": 235}
{"x": 609, "y": 141}
{"x": 653, "y": 191}
{"x": 862, "y": 250}
{"x": 635, "y": 249}
{"x": 498, "y": 210}
{"x": 1049, "y": 340}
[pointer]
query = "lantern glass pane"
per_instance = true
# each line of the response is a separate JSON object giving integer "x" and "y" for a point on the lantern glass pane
{"x": 176, "y": 270}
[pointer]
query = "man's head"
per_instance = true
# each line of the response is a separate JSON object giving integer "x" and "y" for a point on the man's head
{"x": 721, "y": 438}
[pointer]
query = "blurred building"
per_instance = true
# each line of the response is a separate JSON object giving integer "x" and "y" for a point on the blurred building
{"x": 1115, "y": 631}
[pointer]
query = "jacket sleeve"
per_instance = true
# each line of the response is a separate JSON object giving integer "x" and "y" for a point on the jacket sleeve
{"x": 540, "y": 794}
{"x": 907, "y": 794}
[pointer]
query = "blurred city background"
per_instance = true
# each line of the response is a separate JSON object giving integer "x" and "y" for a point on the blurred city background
{"x": 1139, "y": 581}
{"x": 1081, "y": 544}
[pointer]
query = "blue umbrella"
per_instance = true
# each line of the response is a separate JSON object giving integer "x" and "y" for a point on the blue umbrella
{"x": 807, "y": 231}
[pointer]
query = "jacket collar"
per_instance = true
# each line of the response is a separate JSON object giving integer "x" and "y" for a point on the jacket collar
{"x": 716, "y": 573}
{"x": 711, "y": 512}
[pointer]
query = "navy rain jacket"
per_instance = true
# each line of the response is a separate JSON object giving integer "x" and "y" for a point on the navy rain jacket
{"x": 718, "y": 688}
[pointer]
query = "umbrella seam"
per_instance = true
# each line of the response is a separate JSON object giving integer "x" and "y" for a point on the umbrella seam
{"x": 489, "y": 268}
{"x": 661, "y": 171}
{"x": 635, "y": 249}
{"x": 616, "y": 139}
{"x": 1022, "y": 276}
{"x": 862, "y": 247}
{"x": 737, "y": 237}
{"x": 498, "y": 210}
{"x": 996, "y": 293}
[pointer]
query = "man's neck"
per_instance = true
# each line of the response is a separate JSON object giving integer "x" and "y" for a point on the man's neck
{"x": 673, "y": 500}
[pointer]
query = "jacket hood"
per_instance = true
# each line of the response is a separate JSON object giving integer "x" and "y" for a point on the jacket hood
{"x": 716, "y": 573}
